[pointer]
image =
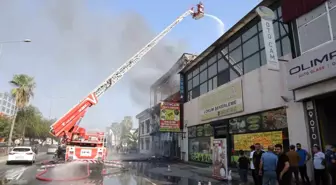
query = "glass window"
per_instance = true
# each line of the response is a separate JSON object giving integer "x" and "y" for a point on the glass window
{"x": 210, "y": 84}
{"x": 225, "y": 51}
{"x": 212, "y": 60}
{"x": 195, "y": 81}
{"x": 259, "y": 26}
{"x": 203, "y": 66}
{"x": 214, "y": 82}
{"x": 333, "y": 21}
{"x": 249, "y": 33}
{"x": 278, "y": 45}
{"x": 189, "y": 76}
{"x": 251, "y": 63}
{"x": 276, "y": 30}
{"x": 234, "y": 44}
{"x": 8, "y": 104}
{"x": 263, "y": 57}
{"x": 261, "y": 40}
{"x": 189, "y": 95}
{"x": 283, "y": 29}
{"x": 189, "y": 85}
{"x": 286, "y": 47}
{"x": 235, "y": 55}
{"x": 203, "y": 76}
{"x": 196, "y": 92}
{"x": 7, "y": 111}
{"x": 4, "y": 102}
{"x": 223, "y": 77}
{"x": 250, "y": 47}
{"x": 279, "y": 12}
{"x": 233, "y": 75}
{"x": 222, "y": 64}
{"x": 196, "y": 71}
{"x": 212, "y": 70}
{"x": 203, "y": 88}
{"x": 3, "y": 109}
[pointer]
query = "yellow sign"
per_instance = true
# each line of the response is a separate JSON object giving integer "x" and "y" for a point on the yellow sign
{"x": 244, "y": 141}
{"x": 225, "y": 100}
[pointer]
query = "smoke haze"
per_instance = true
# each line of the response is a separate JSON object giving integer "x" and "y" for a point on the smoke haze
{"x": 74, "y": 47}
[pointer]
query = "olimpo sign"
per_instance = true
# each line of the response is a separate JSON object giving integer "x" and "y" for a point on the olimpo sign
{"x": 312, "y": 67}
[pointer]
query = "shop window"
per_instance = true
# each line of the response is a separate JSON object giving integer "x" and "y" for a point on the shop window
{"x": 233, "y": 74}
{"x": 212, "y": 60}
{"x": 203, "y": 76}
{"x": 251, "y": 63}
{"x": 199, "y": 143}
{"x": 195, "y": 81}
{"x": 249, "y": 47}
{"x": 189, "y": 85}
{"x": 195, "y": 72}
{"x": 235, "y": 56}
{"x": 203, "y": 88}
{"x": 203, "y": 66}
{"x": 235, "y": 44}
{"x": 286, "y": 46}
{"x": 223, "y": 77}
{"x": 249, "y": 33}
{"x": 212, "y": 70}
{"x": 195, "y": 92}
{"x": 222, "y": 64}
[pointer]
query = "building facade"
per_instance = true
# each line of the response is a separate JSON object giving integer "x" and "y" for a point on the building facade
{"x": 312, "y": 71}
{"x": 231, "y": 93}
{"x": 7, "y": 104}
{"x": 145, "y": 139}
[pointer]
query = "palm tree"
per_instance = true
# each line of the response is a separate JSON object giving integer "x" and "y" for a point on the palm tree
{"x": 23, "y": 91}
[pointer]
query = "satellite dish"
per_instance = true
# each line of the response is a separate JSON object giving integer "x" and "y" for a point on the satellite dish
{"x": 265, "y": 13}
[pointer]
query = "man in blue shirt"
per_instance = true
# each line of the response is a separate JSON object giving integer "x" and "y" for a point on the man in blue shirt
{"x": 269, "y": 163}
{"x": 330, "y": 157}
{"x": 304, "y": 157}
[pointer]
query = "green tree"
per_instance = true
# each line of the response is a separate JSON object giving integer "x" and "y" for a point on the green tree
{"x": 23, "y": 91}
{"x": 4, "y": 126}
{"x": 132, "y": 139}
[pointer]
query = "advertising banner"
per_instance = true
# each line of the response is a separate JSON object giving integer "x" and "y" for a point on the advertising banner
{"x": 225, "y": 100}
{"x": 244, "y": 141}
{"x": 219, "y": 159}
{"x": 169, "y": 117}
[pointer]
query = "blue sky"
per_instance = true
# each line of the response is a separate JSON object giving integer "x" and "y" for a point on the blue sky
{"x": 77, "y": 43}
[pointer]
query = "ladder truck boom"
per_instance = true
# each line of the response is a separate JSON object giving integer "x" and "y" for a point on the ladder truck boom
{"x": 65, "y": 125}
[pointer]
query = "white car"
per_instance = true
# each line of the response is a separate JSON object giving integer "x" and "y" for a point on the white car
{"x": 52, "y": 149}
{"x": 21, "y": 154}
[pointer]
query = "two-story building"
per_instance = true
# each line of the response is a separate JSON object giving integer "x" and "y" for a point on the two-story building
{"x": 231, "y": 93}
{"x": 145, "y": 139}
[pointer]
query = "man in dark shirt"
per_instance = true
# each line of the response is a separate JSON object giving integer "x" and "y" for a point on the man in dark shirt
{"x": 256, "y": 162}
{"x": 243, "y": 164}
{"x": 283, "y": 173}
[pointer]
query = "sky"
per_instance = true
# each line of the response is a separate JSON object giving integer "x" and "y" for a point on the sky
{"x": 76, "y": 44}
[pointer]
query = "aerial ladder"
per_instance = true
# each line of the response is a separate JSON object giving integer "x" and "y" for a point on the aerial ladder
{"x": 65, "y": 126}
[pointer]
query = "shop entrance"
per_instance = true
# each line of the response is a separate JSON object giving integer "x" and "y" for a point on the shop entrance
{"x": 326, "y": 114}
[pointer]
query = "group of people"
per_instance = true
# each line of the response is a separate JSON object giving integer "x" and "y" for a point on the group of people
{"x": 274, "y": 165}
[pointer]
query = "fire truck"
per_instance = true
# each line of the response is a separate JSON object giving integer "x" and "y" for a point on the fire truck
{"x": 89, "y": 147}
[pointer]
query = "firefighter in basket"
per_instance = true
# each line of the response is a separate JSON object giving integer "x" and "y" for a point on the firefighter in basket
{"x": 199, "y": 13}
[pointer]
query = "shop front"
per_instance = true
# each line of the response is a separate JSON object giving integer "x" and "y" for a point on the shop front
{"x": 267, "y": 128}
{"x": 311, "y": 77}
{"x": 200, "y": 141}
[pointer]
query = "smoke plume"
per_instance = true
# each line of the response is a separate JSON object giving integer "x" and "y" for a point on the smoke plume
{"x": 75, "y": 45}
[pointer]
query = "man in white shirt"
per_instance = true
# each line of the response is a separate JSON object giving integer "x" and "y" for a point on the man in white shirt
{"x": 254, "y": 172}
{"x": 319, "y": 162}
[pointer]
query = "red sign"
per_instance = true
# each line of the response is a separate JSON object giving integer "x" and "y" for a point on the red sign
{"x": 170, "y": 117}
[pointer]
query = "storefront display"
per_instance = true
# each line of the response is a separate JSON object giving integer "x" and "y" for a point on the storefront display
{"x": 200, "y": 143}
{"x": 220, "y": 169}
{"x": 244, "y": 141}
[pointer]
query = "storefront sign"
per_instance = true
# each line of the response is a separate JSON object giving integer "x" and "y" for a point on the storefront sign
{"x": 204, "y": 130}
{"x": 267, "y": 16}
{"x": 220, "y": 157}
{"x": 314, "y": 134}
{"x": 244, "y": 141}
{"x": 169, "y": 117}
{"x": 312, "y": 67}
{"x": 182, "y": 87}
{"x": 226, "y": 100}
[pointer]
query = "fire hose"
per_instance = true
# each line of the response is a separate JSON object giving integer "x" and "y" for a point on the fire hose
{"x": 40, "y": 177}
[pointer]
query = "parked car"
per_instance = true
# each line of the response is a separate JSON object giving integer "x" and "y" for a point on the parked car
{"x": 52, "y": 149}
{"x": 21, "y": 154}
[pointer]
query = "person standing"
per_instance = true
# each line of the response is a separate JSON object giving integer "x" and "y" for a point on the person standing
{"x": 243, "y": 164}
{"x": 256, "y": 162}
{"x": 282, "y": 169}
{"x": 320, "y": 173}
{"x": 304, "y": 157}
{"x": 330, "y": 155}
{"x": 294, "y": 160}
{"x": 253, "y": 171}
{"x": 267, "y": 167}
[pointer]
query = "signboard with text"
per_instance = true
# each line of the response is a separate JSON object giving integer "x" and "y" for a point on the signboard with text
{"x": 314, "y": 134}
{"x": 244, "y": 141}
{"x": 169, "y": 117}
{"x": 225, "y": 100}
{"x": 311, "y": 67}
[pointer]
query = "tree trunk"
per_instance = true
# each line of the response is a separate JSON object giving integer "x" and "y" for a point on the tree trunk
{"x": 12, "y": 129}
{"x": 24, "y": 132}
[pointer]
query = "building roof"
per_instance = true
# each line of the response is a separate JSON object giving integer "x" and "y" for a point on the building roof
{"x": 234, "y": 29}
{"x": 179, "y": 65}
{"x": 143, "y": 113}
